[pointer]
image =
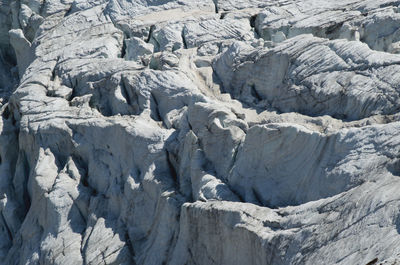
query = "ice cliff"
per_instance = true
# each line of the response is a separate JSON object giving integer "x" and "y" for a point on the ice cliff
{"x": 172, "y": 132}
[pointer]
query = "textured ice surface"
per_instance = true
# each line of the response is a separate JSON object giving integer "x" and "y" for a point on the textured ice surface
{"x": 199, "y": 132}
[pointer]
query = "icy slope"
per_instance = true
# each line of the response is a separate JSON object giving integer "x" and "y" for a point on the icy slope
{"x": 200, "y": 132}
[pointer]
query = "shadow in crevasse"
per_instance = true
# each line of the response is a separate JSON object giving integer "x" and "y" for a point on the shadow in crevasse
{"x": 394, "y": 167}
{"x": 8, "y": 72}
{"x": 398, "y": 224}
{"x": 88, "y": 216}
{"x": 132, "y": 214}
{"x": 395, "y": 170}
